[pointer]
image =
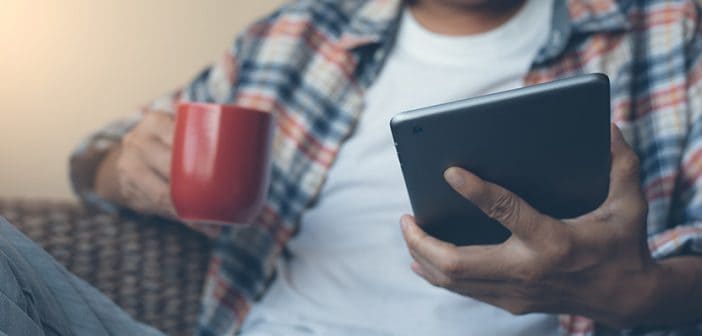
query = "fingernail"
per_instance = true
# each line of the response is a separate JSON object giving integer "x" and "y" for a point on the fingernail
{"x": 453, "y": 177}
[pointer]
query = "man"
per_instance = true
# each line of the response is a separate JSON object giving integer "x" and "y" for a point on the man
{"x": 334, "y": 72}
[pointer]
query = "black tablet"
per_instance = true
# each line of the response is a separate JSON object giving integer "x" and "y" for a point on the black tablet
{"x": 548, "y": 143}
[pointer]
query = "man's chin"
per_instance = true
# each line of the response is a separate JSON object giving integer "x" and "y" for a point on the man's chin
{"x": 471, "y": 3}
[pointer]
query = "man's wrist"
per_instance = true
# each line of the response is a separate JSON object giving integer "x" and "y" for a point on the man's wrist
{"x": 667, "y": 295}
{"x": 647, "y": 294}
{"x": 633, "y": 298}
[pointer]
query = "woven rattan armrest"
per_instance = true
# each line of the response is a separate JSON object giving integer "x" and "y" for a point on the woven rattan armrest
{"x": 152, "y": 268}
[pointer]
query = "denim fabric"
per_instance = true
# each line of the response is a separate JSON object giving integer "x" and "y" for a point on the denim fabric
{"x": 38, "y": 296}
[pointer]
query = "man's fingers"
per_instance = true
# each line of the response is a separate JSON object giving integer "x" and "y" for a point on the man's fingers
{"x": 446, "y": 262}
{"x": 157, "y": 156}
{"x": 499, "y": 204}
{"x": 156, "y": 196}
{"x": 426, "y": 247}
{"x": 160, "y": 125}
{"x": 145, "y": 146}
{"x": 501, "y": 294}
{"x": 146, "y": 192}
{"x": 431, "y": 274}
{"x": 624, "y": 173}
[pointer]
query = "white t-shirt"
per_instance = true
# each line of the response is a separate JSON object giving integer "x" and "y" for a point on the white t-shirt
{"x": 349, "y": 271}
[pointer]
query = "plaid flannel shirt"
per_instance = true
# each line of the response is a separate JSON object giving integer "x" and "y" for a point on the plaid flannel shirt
{"x": 311, "y": 61}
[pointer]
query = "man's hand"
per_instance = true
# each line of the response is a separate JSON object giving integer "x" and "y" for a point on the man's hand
{"x": 136, "y": 173}
{"x": 597, "y": 265}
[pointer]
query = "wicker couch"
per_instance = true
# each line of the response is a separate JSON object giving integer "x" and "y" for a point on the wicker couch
{"x": 152, "y": 268}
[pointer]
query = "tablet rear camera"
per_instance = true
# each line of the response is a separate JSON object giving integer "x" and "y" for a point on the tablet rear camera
{"x": 417, "y": 129}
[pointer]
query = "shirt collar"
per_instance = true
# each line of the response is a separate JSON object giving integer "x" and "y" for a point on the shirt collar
{"x": 581, "y": 17}
{"x": 593, "y": 16}
{"x": 374, "y": 21}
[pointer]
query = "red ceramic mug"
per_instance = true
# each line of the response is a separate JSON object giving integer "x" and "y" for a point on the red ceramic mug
{"x": 221, "y": 162}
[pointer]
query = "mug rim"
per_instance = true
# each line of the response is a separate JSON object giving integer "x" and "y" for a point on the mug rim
{"x": 222, "y": 106}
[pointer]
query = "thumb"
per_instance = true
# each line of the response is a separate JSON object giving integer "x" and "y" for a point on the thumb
{"x": 500, "y": 204}
{"x": 624, "y": 173}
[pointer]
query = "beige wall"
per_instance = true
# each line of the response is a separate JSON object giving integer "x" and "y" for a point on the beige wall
{"x": 69, "y": 66}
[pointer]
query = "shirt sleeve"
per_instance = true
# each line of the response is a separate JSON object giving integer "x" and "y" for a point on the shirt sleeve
{"x": 684, "y": 237}
{"x": 214, "y": 84}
